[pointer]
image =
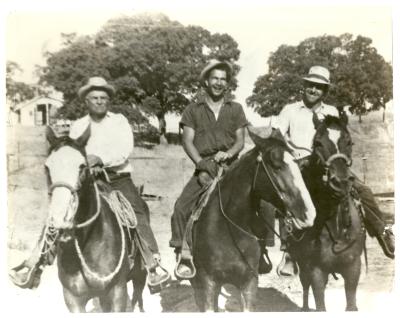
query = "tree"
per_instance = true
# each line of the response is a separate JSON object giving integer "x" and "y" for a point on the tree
{"x": 16, "y": 91}
{"x": 361, "y": 78}
{"x": 153, "y": 62}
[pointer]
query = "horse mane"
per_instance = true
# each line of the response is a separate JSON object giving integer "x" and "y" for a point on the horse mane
{"x": 330, "y": 121}
{"x": 274, "y": 138}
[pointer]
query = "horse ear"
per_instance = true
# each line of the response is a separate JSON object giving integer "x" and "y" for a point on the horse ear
{"x": 343, "y": 117}
{"x": 51, "y": 136}
{"x": 316, "y": 121}
{"x": 256, "y": 137}
{"x": 82, "y": 140}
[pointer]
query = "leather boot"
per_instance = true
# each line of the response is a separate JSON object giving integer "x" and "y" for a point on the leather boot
{"x": 386, "y": 240}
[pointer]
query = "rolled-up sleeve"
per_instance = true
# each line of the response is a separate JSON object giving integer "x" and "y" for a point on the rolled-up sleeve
{"x": 241, "y": 120}
{"x": 188, "y": 118}
{"x": 282, "y": 121}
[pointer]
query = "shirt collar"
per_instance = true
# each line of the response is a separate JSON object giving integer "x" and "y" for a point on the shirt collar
{"x": 321, "y": 107}
{"x": 228, "y": 99}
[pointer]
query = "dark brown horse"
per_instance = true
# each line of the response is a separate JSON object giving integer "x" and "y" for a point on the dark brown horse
{"x": 92, "y": 243}
{"x": 225, "y": 250}
{"x": 335, "y": 243}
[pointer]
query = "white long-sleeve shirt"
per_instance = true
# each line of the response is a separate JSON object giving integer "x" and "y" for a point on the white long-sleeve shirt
{"x": 295, "y": 122}
{"x": 111, "y": 140}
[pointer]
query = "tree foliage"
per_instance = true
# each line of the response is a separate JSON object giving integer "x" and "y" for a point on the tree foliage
{"x": 361, "y": 78}
{"x": 16, "y": 91}
{"x": 153, "y": 63}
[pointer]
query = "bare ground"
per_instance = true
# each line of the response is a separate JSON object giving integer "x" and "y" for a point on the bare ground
{"x": 165, "y": 174}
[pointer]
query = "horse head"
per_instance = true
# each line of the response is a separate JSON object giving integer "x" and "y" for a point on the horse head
{"x": 65, "y": 165}
{"x": 332, "y": 147}
{"x": 279, "y": 170}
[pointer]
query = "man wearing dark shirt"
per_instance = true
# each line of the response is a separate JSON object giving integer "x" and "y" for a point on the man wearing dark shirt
{"x": 213, "y": 133}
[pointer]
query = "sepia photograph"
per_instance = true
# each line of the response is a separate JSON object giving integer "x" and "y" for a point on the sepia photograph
{"x": 186, "y": 157}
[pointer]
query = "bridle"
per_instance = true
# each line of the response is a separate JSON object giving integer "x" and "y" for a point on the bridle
{"x": 88, "y": 272}
{"x": 327, "y": 165}
{"x": 75, "y": 199}
{"x": 260, "y": 161}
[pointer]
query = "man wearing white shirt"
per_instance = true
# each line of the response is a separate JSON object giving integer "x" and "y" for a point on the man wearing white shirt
{"x": 108, "y": 148}
{"x": 297, "y": 123}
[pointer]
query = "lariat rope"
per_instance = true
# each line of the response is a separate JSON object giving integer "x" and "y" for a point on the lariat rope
{"x": 119, "y": 212}
{"x": 124, "y": 214}
{"x": 122, "y": 208}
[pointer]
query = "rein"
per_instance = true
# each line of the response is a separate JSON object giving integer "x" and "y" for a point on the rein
{"x": 279, "y": 193}
{"x": 85, "y": 267}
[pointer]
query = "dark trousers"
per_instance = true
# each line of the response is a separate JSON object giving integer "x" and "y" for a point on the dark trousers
{"x": 374, "y": 222}
{"x": 184, "y": 206}
{"x": 143, "y": 229}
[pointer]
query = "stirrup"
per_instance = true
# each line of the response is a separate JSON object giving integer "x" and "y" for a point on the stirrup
{"x": 279, "y": 269}
{"x": 156, "y": 288}
{"x": 190, "y": 266}
{"x": 30, "y": 276}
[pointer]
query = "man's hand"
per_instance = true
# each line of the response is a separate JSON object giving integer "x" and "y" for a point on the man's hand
{"x": 204, "y": 178}
{"x": 94, "y": 161}
{"x": 209, "y": 166}
{"x": 222, "y": 156}
{"x": 96, "y": 171}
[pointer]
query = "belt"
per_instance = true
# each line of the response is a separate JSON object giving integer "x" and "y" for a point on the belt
{"x": 113, "y": 175}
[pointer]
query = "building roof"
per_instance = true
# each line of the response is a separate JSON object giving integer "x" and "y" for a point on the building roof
{"x": 38, "y": 100}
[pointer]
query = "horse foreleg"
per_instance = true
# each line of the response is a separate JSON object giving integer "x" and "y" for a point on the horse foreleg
{"x": 216, "y": 296}
{"x": 305, "y": 282}
{"x": 249, "y": 293}
{"x": 211, "y": 292}
{"x": 116, "y": 299}
{"x": 74, "y": 304}
{"x": 319, "y": 278}
{"x": 198, "y": 292}
{"x": 351, "y": 277}
{"x": 138, "y": 281}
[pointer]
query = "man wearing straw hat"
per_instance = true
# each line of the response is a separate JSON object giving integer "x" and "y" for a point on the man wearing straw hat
{"x": 296, "y": 122}
{"x": 213, "y": 133}
{"x": 108, "y": 149}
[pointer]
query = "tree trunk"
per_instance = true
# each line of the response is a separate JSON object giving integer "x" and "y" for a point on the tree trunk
{"x": 359, "y": 118}
{"x": 383, "y": 114}
{"x": 162, "y": 129}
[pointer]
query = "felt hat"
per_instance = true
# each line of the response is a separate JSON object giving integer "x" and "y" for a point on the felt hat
{"x": 318, "y": 74}
{"x": 93, "y": 83}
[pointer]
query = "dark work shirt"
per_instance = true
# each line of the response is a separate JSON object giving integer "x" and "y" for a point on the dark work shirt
{"x": 213, "y": 135}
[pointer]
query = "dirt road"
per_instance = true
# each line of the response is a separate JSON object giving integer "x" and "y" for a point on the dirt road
{"x": 164, "y": 173}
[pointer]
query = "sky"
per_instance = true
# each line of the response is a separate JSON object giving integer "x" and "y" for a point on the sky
{"x": 258, "y": 28}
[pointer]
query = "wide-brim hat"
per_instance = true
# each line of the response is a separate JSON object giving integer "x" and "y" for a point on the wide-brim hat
{"x": 213, "y": 64}
{"x": 318, "y": 74}
{"x": 96, "y": 83}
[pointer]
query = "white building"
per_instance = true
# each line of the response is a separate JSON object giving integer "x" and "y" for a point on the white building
{"x": 38, "y": 111}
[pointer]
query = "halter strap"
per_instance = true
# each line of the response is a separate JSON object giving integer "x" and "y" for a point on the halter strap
{"x": 62, "y": 185}
{"x": 338, "y": 156}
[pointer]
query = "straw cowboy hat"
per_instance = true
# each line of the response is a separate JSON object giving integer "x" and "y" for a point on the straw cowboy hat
{"x": 318, "y": 74}
{"x": 96, "y": 82}
{"x": 213, "y": 64}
